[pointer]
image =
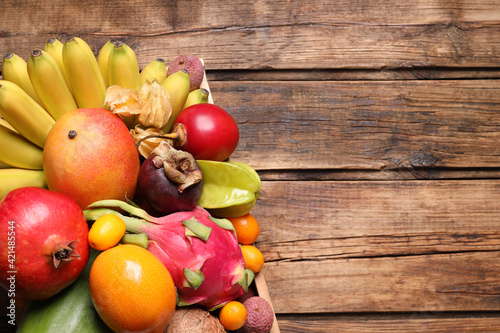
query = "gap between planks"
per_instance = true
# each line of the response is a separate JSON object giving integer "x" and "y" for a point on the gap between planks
{"x": 353, "y": 74}
{"x": 431, "y": 321}
{"x": 380, "y": 174}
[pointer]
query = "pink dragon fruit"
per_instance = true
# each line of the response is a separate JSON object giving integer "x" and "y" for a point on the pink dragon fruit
{"x": 201, "y": 252}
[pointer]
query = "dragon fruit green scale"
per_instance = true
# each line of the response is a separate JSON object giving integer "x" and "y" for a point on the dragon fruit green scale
{"x": 201, "y": 252}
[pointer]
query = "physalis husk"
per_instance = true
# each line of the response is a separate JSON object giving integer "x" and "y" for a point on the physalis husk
{"x": 123, "y": 102}
{"x": 155, "y": 105}
{"x": 148, "y": 139}
{"x": 151, "y": 103}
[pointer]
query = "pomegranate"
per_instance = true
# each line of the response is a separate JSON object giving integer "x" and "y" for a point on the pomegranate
{"x": 47, "y": 248}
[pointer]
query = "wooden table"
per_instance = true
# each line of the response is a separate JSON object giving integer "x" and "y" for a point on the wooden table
{"x": 375, "y": 127}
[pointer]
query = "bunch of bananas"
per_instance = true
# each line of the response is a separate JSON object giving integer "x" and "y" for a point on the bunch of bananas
{"x": 62, "y": 77}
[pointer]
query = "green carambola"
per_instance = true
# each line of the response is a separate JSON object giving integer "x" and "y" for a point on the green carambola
{"x": 230, "y": 188}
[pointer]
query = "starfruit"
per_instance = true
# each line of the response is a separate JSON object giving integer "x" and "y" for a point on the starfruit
{"x": 231, "y": 188}
{"x": 249, "y": 169}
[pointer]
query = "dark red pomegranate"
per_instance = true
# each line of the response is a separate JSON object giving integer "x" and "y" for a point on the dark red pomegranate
{"x": 45, "y": 247}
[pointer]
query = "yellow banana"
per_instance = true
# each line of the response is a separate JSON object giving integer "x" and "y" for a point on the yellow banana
{"x": 196, "y": 96}
{"x": 24, "y": 114}
{"x": 5, "y": 166}
{"x": 177, "y": 86}
{"x": 18, "y": 152}
{"x": 123, "y": 69}
{"x": 13, "y": 178}
{"x": 54, "y": 47}
{"x": 102, "y": 59}
{"x": 84, "y": 75}
{"x": 156, "y": 69}
{"x": 49, "y": 84}
{"x": 4, "y": 123}
{"x": 15, "y": 69}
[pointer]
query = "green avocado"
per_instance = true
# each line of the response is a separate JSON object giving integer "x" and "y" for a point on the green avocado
{"x": 71, "y": 310}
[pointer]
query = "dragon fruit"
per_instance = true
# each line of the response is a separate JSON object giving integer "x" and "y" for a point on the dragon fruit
{"x": 201, "y": 252}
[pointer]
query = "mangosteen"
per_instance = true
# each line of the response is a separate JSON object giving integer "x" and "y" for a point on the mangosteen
{"x": 170, "y": 180}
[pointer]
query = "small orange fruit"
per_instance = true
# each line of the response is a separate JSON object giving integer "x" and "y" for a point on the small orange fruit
{"x": 247, "y": 228}
{"x": 128, "y": 279}
{"x": 106, "y": 232}
{"x": 253, "y": 258}
{"x": 233, "y": 315}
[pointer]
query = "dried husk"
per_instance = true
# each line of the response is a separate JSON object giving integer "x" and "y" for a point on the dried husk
{"x": 151, "y": 103}
{"x": 123, "y": 102}
{"x": 147, "y": 139}
{"x": 156, "y": 107}
{"x": 180, "y": 166}
{"x": 194, "y": 320}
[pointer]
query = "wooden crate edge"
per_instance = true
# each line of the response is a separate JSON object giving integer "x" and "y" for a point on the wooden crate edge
{"x": 262, "y": 291}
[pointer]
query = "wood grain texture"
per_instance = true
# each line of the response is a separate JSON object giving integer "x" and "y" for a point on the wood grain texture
{"x": 440, "y": 282}
{"x": 319, "y": 75}
{"x": 384, "y": 174}
{"x": 386, "y": 129}
{"x": 413, "y": 323}
{"x": 307, "y": 219}
{"x": 277, "y": 35}
{"x": 381, "y": 246}
{"x": 373, "y": 125}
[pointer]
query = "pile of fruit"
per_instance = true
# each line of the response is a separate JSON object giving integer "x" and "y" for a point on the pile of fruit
{"x": 120, "y": 209}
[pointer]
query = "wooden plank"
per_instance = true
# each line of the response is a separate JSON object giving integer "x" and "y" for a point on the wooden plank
{"x": 392, "y": 129}
{"x": 371, "y": 246}
{"x": 262, "y": 35}
{"x": 385, "y": 174}
{"x": 374, "y": 125}
{"x": 305, "y": 220}
{"x": 184, "y": 15}
{"x": 354, "y": 74}
{"x": 367, "y": 129}
{"x": 440, "y": 282}
{"x": 381, "y": 246}
{"x": 413, "y": 323}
